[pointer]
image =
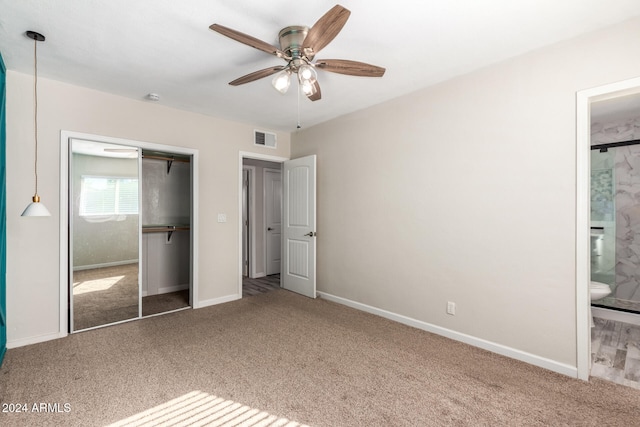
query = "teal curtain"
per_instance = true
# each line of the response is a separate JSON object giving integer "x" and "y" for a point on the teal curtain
{"x": 3, "y": 214}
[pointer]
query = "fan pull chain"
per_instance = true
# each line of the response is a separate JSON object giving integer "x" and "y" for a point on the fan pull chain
{"x": 298, "y": 125}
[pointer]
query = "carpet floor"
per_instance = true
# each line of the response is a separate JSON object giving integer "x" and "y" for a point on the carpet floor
{"x": 110, "y": 294}
{"x": 280, "y": 359}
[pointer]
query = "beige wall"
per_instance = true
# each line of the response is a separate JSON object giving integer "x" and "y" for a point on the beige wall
{"x": 466, "y": 192}
{"x": 33, "y": 244}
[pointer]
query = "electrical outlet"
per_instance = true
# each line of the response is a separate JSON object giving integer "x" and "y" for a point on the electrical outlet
{"x": 222, "y": 217}
{"x": 451, "y": 308}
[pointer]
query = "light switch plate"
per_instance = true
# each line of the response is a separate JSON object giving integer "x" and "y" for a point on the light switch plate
{"x": 222, "y": 217}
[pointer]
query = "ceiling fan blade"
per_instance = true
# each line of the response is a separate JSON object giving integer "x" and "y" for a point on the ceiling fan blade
{"x": 326, "y": 29}
{"x": 248, "y": 40}
{"x": 316, "y": 95}
{"x": 352, "y": 68}
{"x": 256, "y": 75}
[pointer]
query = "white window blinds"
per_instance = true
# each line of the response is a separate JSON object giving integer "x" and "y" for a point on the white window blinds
{"x": 101, "y": 196}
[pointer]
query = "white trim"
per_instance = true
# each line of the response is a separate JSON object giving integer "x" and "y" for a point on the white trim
{"x": 241, "y": 156}
{"x": 174, "y": 288}
{"x": 583, "y": 301}
{"x": 252, "y": 219}
{"x": 552, "y": 365}
{"x": 265, "y": 244}
{"x": 220, "y": 300}
{"x": 139, "y": 231}
{"x": 64, "y": 311}
{"x": 165, "y": 312}
{"x": 105, "y": 265}
{"x": 65, "y": 136}
{"x": 616, "y": 315}
{"x": 166, "y": 290}
{"x": 34, "y": 340}
{"x": 584, "y": 98}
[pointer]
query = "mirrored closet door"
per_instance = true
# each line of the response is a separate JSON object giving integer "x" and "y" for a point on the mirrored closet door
{"x": 104, "y": 234}
{"x": 130, "y": 235}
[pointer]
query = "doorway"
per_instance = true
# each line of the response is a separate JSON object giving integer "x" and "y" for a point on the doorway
{"x": 129, "y": 209}
{"x": 296, "y": 204}
{"x": 261, "y": 200}
{"x": 584, "y": 101}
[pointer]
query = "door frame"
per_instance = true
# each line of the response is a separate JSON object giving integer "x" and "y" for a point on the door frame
{"x": 3, "y": 213}
{"x": 65, "y": 136}
{"x": 584, "y": 99}
{"x": 266, "y": 171}
{"x": 241, "y": 156}
{"x": 251, "y": 217}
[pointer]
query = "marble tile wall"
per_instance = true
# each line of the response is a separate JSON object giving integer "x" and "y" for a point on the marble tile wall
{"x": 616, "y": 131}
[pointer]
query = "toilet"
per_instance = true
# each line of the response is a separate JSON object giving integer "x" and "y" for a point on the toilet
{"x": 598, "y": 291}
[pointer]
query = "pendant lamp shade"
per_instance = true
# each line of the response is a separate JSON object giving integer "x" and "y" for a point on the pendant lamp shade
{"x": 35, "y": 208}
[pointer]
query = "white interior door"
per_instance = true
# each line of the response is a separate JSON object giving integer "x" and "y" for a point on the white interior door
{"x": 273, "y": 219}
{"x": 299, "y": 226}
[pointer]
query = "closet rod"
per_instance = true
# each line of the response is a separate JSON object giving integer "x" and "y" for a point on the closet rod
{"x": 162, "y": 228}
{"x": 169, "y": 229}
{"x": 169, "y": 159}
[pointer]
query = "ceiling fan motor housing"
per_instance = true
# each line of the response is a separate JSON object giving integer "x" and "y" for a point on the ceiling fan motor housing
{"x": 291, "y": 39}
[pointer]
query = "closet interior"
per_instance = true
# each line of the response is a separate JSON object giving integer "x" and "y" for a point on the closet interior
{"x": 129, "y": 233}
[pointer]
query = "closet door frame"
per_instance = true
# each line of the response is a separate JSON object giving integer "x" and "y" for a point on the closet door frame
{"x": 65, "y": 143}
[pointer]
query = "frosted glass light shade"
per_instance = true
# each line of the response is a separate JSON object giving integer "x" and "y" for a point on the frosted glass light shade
{"x": 306, "y": 73}
{"x": 308, "y": 88}
{"x": 36, "y": 208}
{"x": 282, "y": 81}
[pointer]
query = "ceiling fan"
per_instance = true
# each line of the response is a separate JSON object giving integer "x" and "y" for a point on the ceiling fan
{"x": 298, "y": 47}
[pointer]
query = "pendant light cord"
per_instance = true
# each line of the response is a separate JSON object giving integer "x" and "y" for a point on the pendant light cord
{"x": 35, "y": 107}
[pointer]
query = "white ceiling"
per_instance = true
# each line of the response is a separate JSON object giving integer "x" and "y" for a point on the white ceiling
{"x": 132, "y": 48}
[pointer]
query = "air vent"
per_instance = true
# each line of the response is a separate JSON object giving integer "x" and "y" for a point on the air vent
{"x": 264, "y": 139}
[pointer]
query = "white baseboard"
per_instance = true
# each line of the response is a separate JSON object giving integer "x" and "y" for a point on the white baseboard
{"x": 616, "y": 315}
{"x": 106, "y": 264}
{"x": 35, "y": 340}
{"x": 513, "y": 353}
{"x": 167, "y": 289}
{"x": 216, "y": 301}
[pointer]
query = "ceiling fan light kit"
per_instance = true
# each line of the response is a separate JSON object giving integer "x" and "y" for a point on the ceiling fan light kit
{"x": 282, "y": 81}
{"x": 298, "y": 46}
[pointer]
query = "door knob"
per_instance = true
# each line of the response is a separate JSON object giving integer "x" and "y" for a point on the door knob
{"x": 269, "y": 228}
{"x": 310, "y": 234}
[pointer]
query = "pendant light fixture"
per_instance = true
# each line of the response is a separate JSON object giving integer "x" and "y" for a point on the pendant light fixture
{"x": 35, "y": 208}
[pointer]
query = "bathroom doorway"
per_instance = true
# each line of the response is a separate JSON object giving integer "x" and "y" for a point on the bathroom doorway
{"x": 587, "y": 243}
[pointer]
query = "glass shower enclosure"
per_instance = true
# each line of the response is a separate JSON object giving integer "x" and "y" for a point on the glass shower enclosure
{"x": 615, "y": 225}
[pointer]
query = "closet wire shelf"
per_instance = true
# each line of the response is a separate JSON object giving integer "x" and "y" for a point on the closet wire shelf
{"x": 164, "y": 229}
